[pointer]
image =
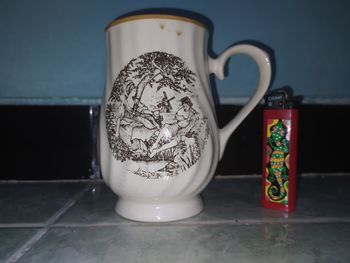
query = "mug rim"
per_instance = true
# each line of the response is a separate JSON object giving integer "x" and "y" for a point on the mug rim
{"x": 125, "y": 19}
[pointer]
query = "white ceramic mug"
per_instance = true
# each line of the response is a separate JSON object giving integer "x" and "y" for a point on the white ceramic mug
{"x": 159, "y": 140}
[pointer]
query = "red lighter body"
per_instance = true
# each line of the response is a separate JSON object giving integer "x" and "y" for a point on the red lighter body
{"x": 279, "y": 166}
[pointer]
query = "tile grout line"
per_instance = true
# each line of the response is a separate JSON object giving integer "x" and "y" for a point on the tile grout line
{"x": 27, "y": 246}
{"x": 67, "y": 205}
{"x": 16, "y": 256}
{"x": 22, "y": 225}
{"x": 238, "y": 222}
{"x": 54, "y": 181}
{"x": 319, "y": 220}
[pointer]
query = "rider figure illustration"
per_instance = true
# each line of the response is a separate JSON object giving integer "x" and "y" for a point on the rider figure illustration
{"x": 185, "y": 118}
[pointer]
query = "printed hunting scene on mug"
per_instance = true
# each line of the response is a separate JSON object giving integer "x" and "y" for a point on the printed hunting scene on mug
{"x": 153, "y": 119}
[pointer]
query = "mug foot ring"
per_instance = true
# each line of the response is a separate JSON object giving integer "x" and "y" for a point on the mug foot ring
{"x": 159, "y": 212}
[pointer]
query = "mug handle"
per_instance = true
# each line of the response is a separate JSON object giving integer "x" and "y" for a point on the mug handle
{"x": 216, "y": 66}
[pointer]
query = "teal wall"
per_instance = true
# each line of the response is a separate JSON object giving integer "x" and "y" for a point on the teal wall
{"x": 53, "y": 52}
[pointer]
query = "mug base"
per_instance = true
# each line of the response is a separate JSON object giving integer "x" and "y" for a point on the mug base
{"x": 159, "y": 212}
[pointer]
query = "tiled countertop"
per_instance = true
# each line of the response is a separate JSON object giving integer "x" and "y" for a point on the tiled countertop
{"x": 76, "y": 222}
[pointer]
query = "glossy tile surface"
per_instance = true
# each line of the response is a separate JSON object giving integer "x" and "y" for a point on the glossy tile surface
{"x": 11, "y": 239}
{"x": 34, "y": 202}
{"x": 236, "y": 199}
{"x": 96, "y": 206}
{"x": 317, "y": 198}
{"x": 211, "y": 243}
{"x": 76, "y": 222}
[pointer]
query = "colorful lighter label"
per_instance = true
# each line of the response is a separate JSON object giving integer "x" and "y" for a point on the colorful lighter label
{"x": 277, "y": 160}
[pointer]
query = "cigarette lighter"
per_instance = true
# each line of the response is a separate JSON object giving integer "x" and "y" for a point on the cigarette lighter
{"x": 279, "y": 166}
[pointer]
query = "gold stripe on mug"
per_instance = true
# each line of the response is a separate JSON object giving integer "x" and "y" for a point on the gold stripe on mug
{"x": 154, "y": 16}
